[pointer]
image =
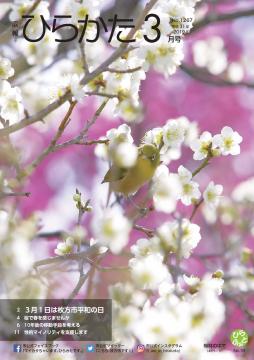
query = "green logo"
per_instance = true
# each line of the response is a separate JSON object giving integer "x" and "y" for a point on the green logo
{"x": 239, "y": 337}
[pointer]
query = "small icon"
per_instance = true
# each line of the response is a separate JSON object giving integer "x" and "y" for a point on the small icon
{"x": 140, "y": 348}
{"x": 239, "y": 338}
{"x": 15, "y": 30}
{"x": 90, "y": 348}
{"x": 17, "y": 348}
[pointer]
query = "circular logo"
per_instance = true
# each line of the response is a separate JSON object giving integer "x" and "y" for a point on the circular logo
{"x": 239, "y": 337}
{"x": 140, "y": 348}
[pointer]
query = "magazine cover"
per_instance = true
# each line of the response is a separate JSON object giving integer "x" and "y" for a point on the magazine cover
{"x": 126, "y": 179}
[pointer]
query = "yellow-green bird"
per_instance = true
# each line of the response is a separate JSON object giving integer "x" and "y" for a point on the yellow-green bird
{"x": 127, "y": 181}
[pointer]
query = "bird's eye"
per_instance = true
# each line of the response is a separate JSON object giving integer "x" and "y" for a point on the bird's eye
{"x": 153, "y": 157}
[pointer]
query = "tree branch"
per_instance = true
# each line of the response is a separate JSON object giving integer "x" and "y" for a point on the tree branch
{"x": 123, "y": 49}
{"x": 202, "y": 166}
{"x": 36, "y": 117}
{"x": 207, "y": 78}
{"x": 14, "y": 194}
{"x": 214, "y": 18}
{"x": 52, "y": 146}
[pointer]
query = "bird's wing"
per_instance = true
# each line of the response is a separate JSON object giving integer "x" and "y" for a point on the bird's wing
{"x": 114, "y": 174}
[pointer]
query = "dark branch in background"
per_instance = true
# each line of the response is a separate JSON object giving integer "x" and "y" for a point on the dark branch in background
{"x": 214, "y": 18}
{"x": 122, "y": 8}
{"x": 207, "y": 78}
{"x": 12, "y": 194}
{"x": 49, "y": 235}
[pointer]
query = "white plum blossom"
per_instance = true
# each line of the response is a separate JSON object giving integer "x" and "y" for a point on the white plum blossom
{"x": 10, "y": 102}
{"x": 6, "y": 70}
{"x": 155, "y": 306}
{"x": 125, "y": 87}
{"x": 214, "y": 282}
{"x": 120, "y": 84}
{"x": 124, "y": 322}
{"x": 165, "y": 190}
{"x": 154, "y": 137}
{"x": 211, "y": 54}
{"x": 112, "y": 229}
{"x": 235, "y": 72}
{"x": 243, "y": 192}
{"x": 125, "y": 293}
{"x": 212, "y": 194}
{"x": 209, "y": 282}
{"x": 29, "y": 288}
{"x": 160, "y": 325}
{"x": 68, "y": 82}
{"x": 173, "y": 133}
{"x": 176, "y": 9}
{"x": 101, "y": 249}
{"x": 65, "y": 247}
{"x": 126, "y": 318}
{"x": 42, "y": 52}
{"x": 77, "y": 89}
{"x": 240, "y": 276}
{"x": 179, "y": 236}
{"x": 59, "y": 88}
{"x": 191, "y": 281}
{"x": 149, "y": 271}
{"x": 228, "y": 141}
{"x": 145, "y": 247}
{"x": 119, "y": 135}
{"x": 129, "y": 110}
{"x": 163, "y": 56}
{"x": 125, "y": 155}
{"x": 101, "y": 150}
{"x": 190, "y": 128}
{"x": 189, "y": 189}
{"x": 20, "y": 8}
{"x": 115, "y": 137}
{"x": 85, "y": 8}
{"x": 121, "y": 293}
{"x": 207, "y": 310}
{"x": 201, "y": 146}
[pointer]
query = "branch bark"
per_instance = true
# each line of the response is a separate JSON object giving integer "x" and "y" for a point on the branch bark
{"x": 214, "y": 18}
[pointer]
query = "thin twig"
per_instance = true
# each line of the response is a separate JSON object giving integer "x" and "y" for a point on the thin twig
{"x": 50, "y": 234}
{"x": 91, "y": 252}
{"x": 148, "y": 232}
{"x": 52, "y": 145}
{"x": 127, "y": 71}
{"x": 202, "y": 166}
{"x": 195, "y": 209}
{"x": 14, "y": 194}
{"x": 102, "y": 94}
